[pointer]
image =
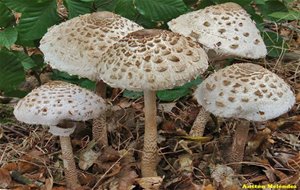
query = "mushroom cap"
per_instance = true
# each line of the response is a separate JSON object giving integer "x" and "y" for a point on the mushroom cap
{"x": 245, "y": 90}
{"x": 227, "y": 29}
{"x": 76, "y": 46}
{"x": 55, "y": 101}
{"x": 152, "y": 59}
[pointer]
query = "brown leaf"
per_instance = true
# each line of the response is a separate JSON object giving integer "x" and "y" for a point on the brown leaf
{"x": 150, "y": 183}
{"x": 59, "y": 188}
{"x": 127, "y": 179}
{"x": 223, "y": 176}
{"x": 48, "y": 184}
{"x": 298, "y": 96}
{"x": 5, "y": 179}
{"x": 186, "y": 163}
{"x": 255, "y": 142}
{"x": 270, "y": 174}
{"x": 87, "y": 179}
{"x": 11, "y": 166}
{"x": 209, "y": 187}
{"x": 294, "y": 162}
{"x": 280, "y": 174}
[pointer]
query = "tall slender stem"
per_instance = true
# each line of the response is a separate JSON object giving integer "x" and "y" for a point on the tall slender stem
{"x": 99, "y": 124}
{"x": 69, "y": 163}
{"x": 149, "y": 159}
{"x": 238, "y": 145}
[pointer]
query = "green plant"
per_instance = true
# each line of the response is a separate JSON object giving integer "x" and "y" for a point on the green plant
{"x": 20, "y": 32}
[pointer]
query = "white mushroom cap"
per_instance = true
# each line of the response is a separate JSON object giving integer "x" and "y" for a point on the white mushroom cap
{"x": 76, "y": 46}
{"x": 55, "y": 101}
{"x": 246, "y": 91}
{"x": 152, "y": 59}
{"x": 227, "y": 29}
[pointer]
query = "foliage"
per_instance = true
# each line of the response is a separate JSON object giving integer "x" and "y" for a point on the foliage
{"x": 22, "y": 32}
{"x": 11, "y": 71}
{"x": 167, "y": 95}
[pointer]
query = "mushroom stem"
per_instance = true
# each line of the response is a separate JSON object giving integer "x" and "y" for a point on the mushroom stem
{"x": 149, "y": 158}
{"x": 199, "y": 123}
{"x": 238, "y": 145}
{"x": 99, "y": 124}
{"x": 69, "y": 163}
{"x": 100, "y": 130}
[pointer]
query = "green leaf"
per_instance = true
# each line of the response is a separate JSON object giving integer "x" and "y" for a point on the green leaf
{"x": 275, "y": 44}
{"x": 11, "y": 72}
{"x": 25, "y": 60}
{"x": 16, "y": 93}
{"x": 132, "y": 94}
{"x": 17, "y": 5}
{"x": 290, "y": 15}
{"x": 6, "y": 15}
{"x": 160, "y": 10}
{"x": 261, "y": 2}
{"x": 77, "y": 7}
{"x": 36, "y": 17}
{"x": 126, "y": 9}
{"x": 206, "y": 3}
{"x": 91, "y": 85}
{"x": 147, "y": 23}
{"x": 178, "y": 92}
{"x": 272, "y": 6}
{"x": 172, "y": 95}
{"x": 107, "y": 5}
{"x": 58, "y": 75}
{"x": 87, "y": 1}
{"x": 8, "y": 37}
{"x": 39, "y": 61}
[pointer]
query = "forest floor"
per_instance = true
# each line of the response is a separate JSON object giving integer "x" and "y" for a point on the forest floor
{"x": 30, "y": 156}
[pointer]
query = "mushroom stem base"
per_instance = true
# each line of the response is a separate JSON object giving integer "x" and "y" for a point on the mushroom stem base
{"x": 199, "y": 123}
{"x": 69, "y": 163}
{"x": 149, "y": 158}
{"x": 238, "y": 146}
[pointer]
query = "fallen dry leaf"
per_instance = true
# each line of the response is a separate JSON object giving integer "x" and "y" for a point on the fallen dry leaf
{"x": 88, "y": 156}
{"x": 209, "y": 187}
{"x": 294, "y": 162}
{"x": 186, "y": 163}
{"x": 48, "y": 184}
{"x": 5, "y": 179}
{"x": 150, "y": 183}
{"x": 224, "y": 177}
{"x": 298, "y": 96}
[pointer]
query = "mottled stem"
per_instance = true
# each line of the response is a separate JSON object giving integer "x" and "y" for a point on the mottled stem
{"x": 149, "y": 159}
{"x": 238, "y": 144}
{"x": 199, "y": 123}
{"x": 99, "y": 124}
{"x": 100, "y": 130}
{"x": 69, "y": 163}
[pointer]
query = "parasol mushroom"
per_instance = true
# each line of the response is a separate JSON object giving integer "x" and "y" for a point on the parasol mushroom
{"x": 149, "y": 60}
{"x": 54, "y": 104}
